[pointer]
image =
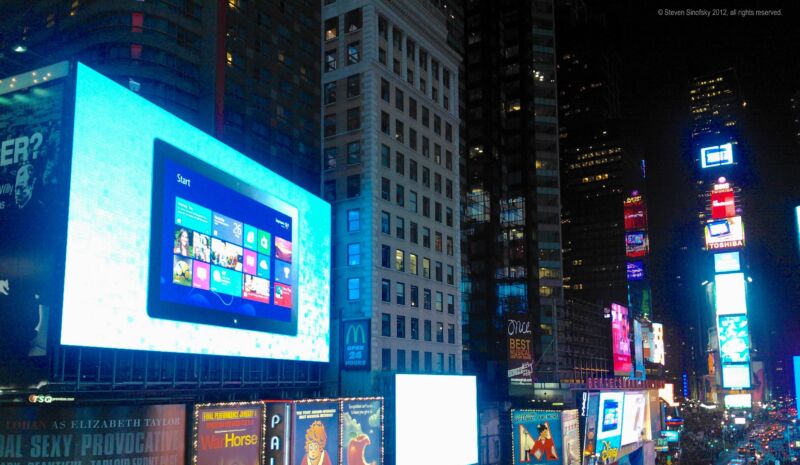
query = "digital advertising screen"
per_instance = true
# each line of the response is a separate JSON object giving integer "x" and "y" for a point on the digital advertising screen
{"x": 621, "y": 345}
{"x": 727, "y": 262}
{"x": 609, "y": 425}
{"x": 716, "y": 155}
{"x": 635, "y": 270}
{"x": 671, "y": 436}
{"x": 633, "y": 419}
{"x": 736, "y": 376}
{"x": 723, "y": 204}
{"x": 228, "y": 434}
{"x": 740, "y": 421}
{"x": 635, "y": 213}
{"x": 657, "y": 354}
{"x": 734, "y": 339}
{"x": 436, "y": 419}
{"x": 738, "y": 401}
{"x": 571, "y": 437}
{"x": 356, "y": 344}
{"x": 520, "y": 350}
{"x": 362, "y": 431}
{"x": 184, "y": 244}
{"x": 796, "y": 363}
{"x": 589, "y": 413}
{"x": 724, "y": 234}
{"x": 537, "y": 436}
{"x": 638, "y": 351}
{"x": 316, "y": 432}
{"x": 637, "y": 244}
{"x": 729, "y": 294}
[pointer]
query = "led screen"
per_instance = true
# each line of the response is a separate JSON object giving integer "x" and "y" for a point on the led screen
{"x": 637, "y": 244}
{"x": 635, "y": 271}
{"x": 638, "y": 352}
{"x": 716, "y": 155}
{"x": 729, "y": 294}
{"x": 738, "y": 401}
{"x": 723, "y": 234}
{"x": 671, "y": 436}
{"x": 797, "y": 220}
{"x": 734, "y": 346}
{"x": 537, "y": 436}
{"x": 620, "y": 335}
{"x": 160, "y": 245}
{"x": 657, "y": 354}
{"x": 436, "y": 420}
{"x": 796, "y": 360}
{"x": 736, "y": 376}
{"x": 726, "y": 262}
{"x": 723, "y": 204}
{"x": 740, "y": 421}
{"x": 635, "y": 214}
{"x": 609, "y": 425}
{"x": 633, "y": 417}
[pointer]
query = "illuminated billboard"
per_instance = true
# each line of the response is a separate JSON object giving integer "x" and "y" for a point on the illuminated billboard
{"x": 736, "y": 376}
{"x": 724, "y": 234}
{"x": 609, "y": 426}
{"x": 738, "y": 401}
{"x": 729, "y": 294}
{"x": 537, "y": 436}
{"x": 717, "y": 155}
{"x": 571, "y": 436}
{"x": 671, "y": 436}
{"x": 633, "y": 417}
{"x": 228, "y": 434}
{"x": 723, "y": 204}
{"x": 638, "y": 351}
{"x": 657, "y": 354}
{"x": 796, "y": 360}
{"x": 635, "y": 270}
{"x": 520, "y": 350}
{"x": 637, "y": 244}
{"x": 620, "y": 335}
{"x": 727, "y": 262}
{"x": 734, "y": 345}
{"x": 362, "y": 431}
{"x": 178, "y": 243}
{"x": 635, "y": 213}
{"x": 316, "y": 430}
{"x": 436, "y": 419}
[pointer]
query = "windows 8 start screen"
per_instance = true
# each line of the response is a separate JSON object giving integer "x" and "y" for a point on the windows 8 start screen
{"x": 224, "y": 251}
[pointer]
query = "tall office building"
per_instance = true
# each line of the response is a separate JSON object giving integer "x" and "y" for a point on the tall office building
{"x": 391, "y": 129}
{"x": 246, "y": 72}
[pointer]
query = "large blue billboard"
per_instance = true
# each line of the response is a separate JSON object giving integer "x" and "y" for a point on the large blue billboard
{"x": 178, "y": 243}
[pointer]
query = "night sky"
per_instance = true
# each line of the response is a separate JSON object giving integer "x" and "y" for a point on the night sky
{"x": 659, "y": 55}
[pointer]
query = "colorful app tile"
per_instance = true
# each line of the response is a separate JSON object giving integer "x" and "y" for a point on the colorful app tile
{"x": 283, "y": 272}
{"x": 201, "y": 247}
{"x": 250, "y": 259}
{"x": 228, "y": 229}
{"x": 192, "y": 216}
{"x": 263, "y": 266}
{"x": 264, "y": 242}
{"x": 256, "y": 288}
{"x": 250, "y": 237}
{"x": 182, "y": 242}
{"x": 283, "y": 295}
{"x": 283, "y": 249}
{"x": 226, "y": 281}
{"x": 181, "y": 270}
{"x": 201, "y": 275}
{"x": 226, "y": 255}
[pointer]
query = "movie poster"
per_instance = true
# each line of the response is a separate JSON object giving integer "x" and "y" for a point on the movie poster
{"x": 570, "y": 433}
{"x": 229, "y": 434}
{"x": 537, "y": 436}
{"x": 124, "y": 435}
{"x": 316, "y": 433}
{"x": 362, "y": 437}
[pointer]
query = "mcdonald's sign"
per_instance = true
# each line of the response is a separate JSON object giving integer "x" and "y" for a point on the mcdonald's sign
{"x": 355, "y": 344}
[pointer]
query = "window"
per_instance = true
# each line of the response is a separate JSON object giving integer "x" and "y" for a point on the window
{"x": 399, "y": 191}
{"x": 329, "y": 191}
{"x": 415, "y": 328}
{"x": 353, "y": 220}
{"x": 428, "y": 362}
{"x": 437, "y": 183}
{"x": 451, "y": 363}
{"x": 414, "y": 296}
{"x": 412, "y": 263}
{"x": 330, "y": 93}
{"x": 401, "y": 359}
{"x": 448, "y": 160}
{"x": 437, "y": 212}
{"x": 399, "y": 130}
{"x": 353, "y": 118}
{"x": 331, "y": 28}
{"x": 451, "y": 276}
{"x": 353, "y": 52}
{"x": 426, "y": 116}
{"x": 386, "y": 187}
{"x": 382, "y": 55}
{"x": 440, "y": 362}
{"x": 352, "y": 21}
{"x": 439, "y": 302}
{"x": 448, "y": 216}
{"x": 423, "y": 86}
{"x": 448, "y": 188}
{"x": 385, "y": 90}
{"x": 386, "y": 293}
{"x": 386, "y": 359}
{"x": 439, "y": 332}
{"x": 330, "y": 125}
{"x": 353, "y": 288}
{"x": 386, "y": 253}
{"x": 354, "y": 152}
{"x": 353, "y": 86}
{"x": 426, "y": 207}
{"x": 426, "y": 267}
{"x": 386, "y": 155}
{"x": 426, "y": 237}
{"x": 437, "y": 154}
{"x": 353, "y": 254}
{"x": 412, "y": 108}
{"x": 426, "y": 147}
{"x": 412, "y": 138}
{"x": 426, "y": 176}
{"x": 435, "y": 69}
{"x": 426, "y": 299}
{"x": 448, "y": 132}
{"x": 412, "y": 169}
{"x": 415, "y": 360}
{"x": 413, "y": 232}
{"x": 399, "y": 260}
{"x": 330, "y": 60}
{"x": 385, "y": 123}
{"x": 400, "y": 290}
{"x": 428, "y": 330}
{"x": 451, "y": 304}
{"x": 423, "y": 59}
{"x": 386, "y": 324}
{"x": 353, "y": 186}
{"x": 412, "y": 201}
{"x": 386, "y": 223}
{"x": 383, "y": 28}
{"x": 437, "y": 241}
{"x": 400, "y": 227}
{"x": 449, "y": 248}
{"x": 399, "y": 163}
{"x": 330, "y": 158}
{"x": 399, "y": 99}
{"x": 396, "y": 66}
{"x": 438, "y": 271}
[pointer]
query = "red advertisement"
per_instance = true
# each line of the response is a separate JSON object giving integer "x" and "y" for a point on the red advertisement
{"x": 621, "y": 340}
{"x": 635, "y": 213}
{"x": 723, "y": 204}
{"x": 228, "y": 434}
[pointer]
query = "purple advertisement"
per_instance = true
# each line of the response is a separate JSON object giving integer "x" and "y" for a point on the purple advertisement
{"x": 362, "y": 437}
{"x": 228, "y": 434}
{"x": 316, "y": 433}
